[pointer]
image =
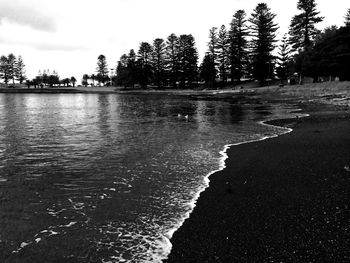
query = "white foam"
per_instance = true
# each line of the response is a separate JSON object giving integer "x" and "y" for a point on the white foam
{"x": 167, "y": 246}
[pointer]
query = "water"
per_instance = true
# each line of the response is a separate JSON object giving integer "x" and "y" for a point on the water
{"x": 106, "y": 177}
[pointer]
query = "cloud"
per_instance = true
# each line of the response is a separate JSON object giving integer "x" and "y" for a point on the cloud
{"x": 43, "y": 45}
{"x": 16, "y": 12}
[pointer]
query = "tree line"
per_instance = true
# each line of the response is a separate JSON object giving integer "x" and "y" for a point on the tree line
{"x": 247, "y": 50}
{"x": 12, "y": 68}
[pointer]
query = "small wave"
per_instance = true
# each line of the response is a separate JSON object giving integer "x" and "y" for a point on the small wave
{"x": 167, "y": 246}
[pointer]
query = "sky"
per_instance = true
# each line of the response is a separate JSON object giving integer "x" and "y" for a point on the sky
{"x": 68, "y": 35}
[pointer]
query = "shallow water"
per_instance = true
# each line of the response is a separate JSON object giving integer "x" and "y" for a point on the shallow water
{"x": 108, "y": 178}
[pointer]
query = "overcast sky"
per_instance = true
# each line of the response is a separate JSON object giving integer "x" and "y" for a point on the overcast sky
{"x": 69, "y": 35}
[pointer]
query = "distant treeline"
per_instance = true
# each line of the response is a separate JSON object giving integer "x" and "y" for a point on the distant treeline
{"x": 12, "y": 70}
{"x": 247, "y": 50}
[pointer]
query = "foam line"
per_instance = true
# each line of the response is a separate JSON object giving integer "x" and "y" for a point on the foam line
{"x": 222, "y": 166}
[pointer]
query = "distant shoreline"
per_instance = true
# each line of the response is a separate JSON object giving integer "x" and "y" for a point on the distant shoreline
{"x": 335, "y": 93}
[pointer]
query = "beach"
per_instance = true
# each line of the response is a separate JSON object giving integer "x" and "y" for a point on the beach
{"x": 283, "y": 199}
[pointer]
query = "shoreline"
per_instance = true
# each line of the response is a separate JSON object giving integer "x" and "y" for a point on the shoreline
{"x": 222, "y": 166}
{"x": 200, "y": 238}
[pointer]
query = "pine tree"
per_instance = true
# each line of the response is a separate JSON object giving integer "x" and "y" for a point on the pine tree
{"x": 347, "y": 18}
{"x": 303, "y": 26}
{"x": 144, "y": 63}
{"x": 188, "y": 59}
{"x": 223, "y": 51}
{"x": 11, "y": 60}
{"x": 207, "y": 70}
{"x": 20, "y": 70}
{"x": 4, "y": 69}
{"x": 131, "y": 69}
{"x": 158, "y": 61}
{"x": 102, "y": 69}
{"x": 213, "y": 48}
{"x": 238, "y": 45}
{"x": 263, "y": 42}
{"x": 283, "y": 59}
{"x": 172, "y": 52}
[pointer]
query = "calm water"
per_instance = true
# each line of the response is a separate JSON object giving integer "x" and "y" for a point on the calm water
{"x": 108, "y": 178}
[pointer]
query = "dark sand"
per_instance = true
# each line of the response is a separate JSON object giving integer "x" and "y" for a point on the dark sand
{"x": 284, "y": 199}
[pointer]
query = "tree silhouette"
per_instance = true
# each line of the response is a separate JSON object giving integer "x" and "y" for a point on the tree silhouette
{"x": 213, "y": 48}
{"x": 188, "y": 59}
{"x": 11, "y": 60}
{"x": 223, "y": 52}
{"x": 85, "y": 79}
{"x": 73, "y": 80}
{"x": 144, "y": 63}
{"x": 102, "y": 69}
{"x": 172, "y": 52}
{"x": 303, "y": 26}
{"x": 158, "y": 61}
{"x": 207, "y": 70}
{"x": 263, "y": 42}
{"x": 4, "y": 69}
{"x": 20, "y": 70}
{"x": 283, "y": 59}
{"x": 238, "y": 45}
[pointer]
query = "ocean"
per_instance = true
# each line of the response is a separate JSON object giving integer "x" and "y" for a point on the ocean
{"x": 110, "y": 177}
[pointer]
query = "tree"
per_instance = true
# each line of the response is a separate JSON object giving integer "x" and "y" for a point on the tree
{"x": 93, "y": 78}
{"x": 303, "y": 26}
{"x": 223, "y": 52}
{"x": 4, "y": 69}
{"x": 188, "y": 59}
{"x": 131, "y": 68}
{"x": 238, "y": 45}
{"x": 172, "y": 52}
{"x": 20, "y": 70}
{"x": 347, "y": 18}
{"x": 73, "y": 80}
{"x": 158, "y": 61}
{"x": 11, "y": 60}
{"x": 212, "y": 48}
{"x": 207, "y": 70}
{"x": 122, "y": 71}
{"x": 263, "y": 31}
{"x": 144, "y": 63}
{"x": 102, "y": 69}
{"x": 283, "y": 59}
{"x": 85, "y": 79}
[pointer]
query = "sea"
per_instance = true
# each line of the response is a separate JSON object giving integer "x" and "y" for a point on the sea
{"x": 111, "y": 177}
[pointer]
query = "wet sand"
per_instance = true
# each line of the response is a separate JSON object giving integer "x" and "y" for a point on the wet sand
{"x": 285, "y": 199}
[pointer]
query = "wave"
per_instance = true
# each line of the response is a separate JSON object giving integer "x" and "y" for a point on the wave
{"x": 222, "y": 165}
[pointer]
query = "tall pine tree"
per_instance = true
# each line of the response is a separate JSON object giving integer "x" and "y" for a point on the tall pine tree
{"x": 172, "y": 52}
{"x": 20, "y": 70}
{"x": 283, "y": 59}
{"x": 102, "y": 69}
{"x": 145, "y": 63}
{"x": 223, "y": 53}
{"x": 303, "y": 26}
{"x": 188, "y": 59}
{"x": 263, "y": 30}
{"x": 158, "y": 61}
{"x": 213, "y": 48}
{"x": 238, "y": 45}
